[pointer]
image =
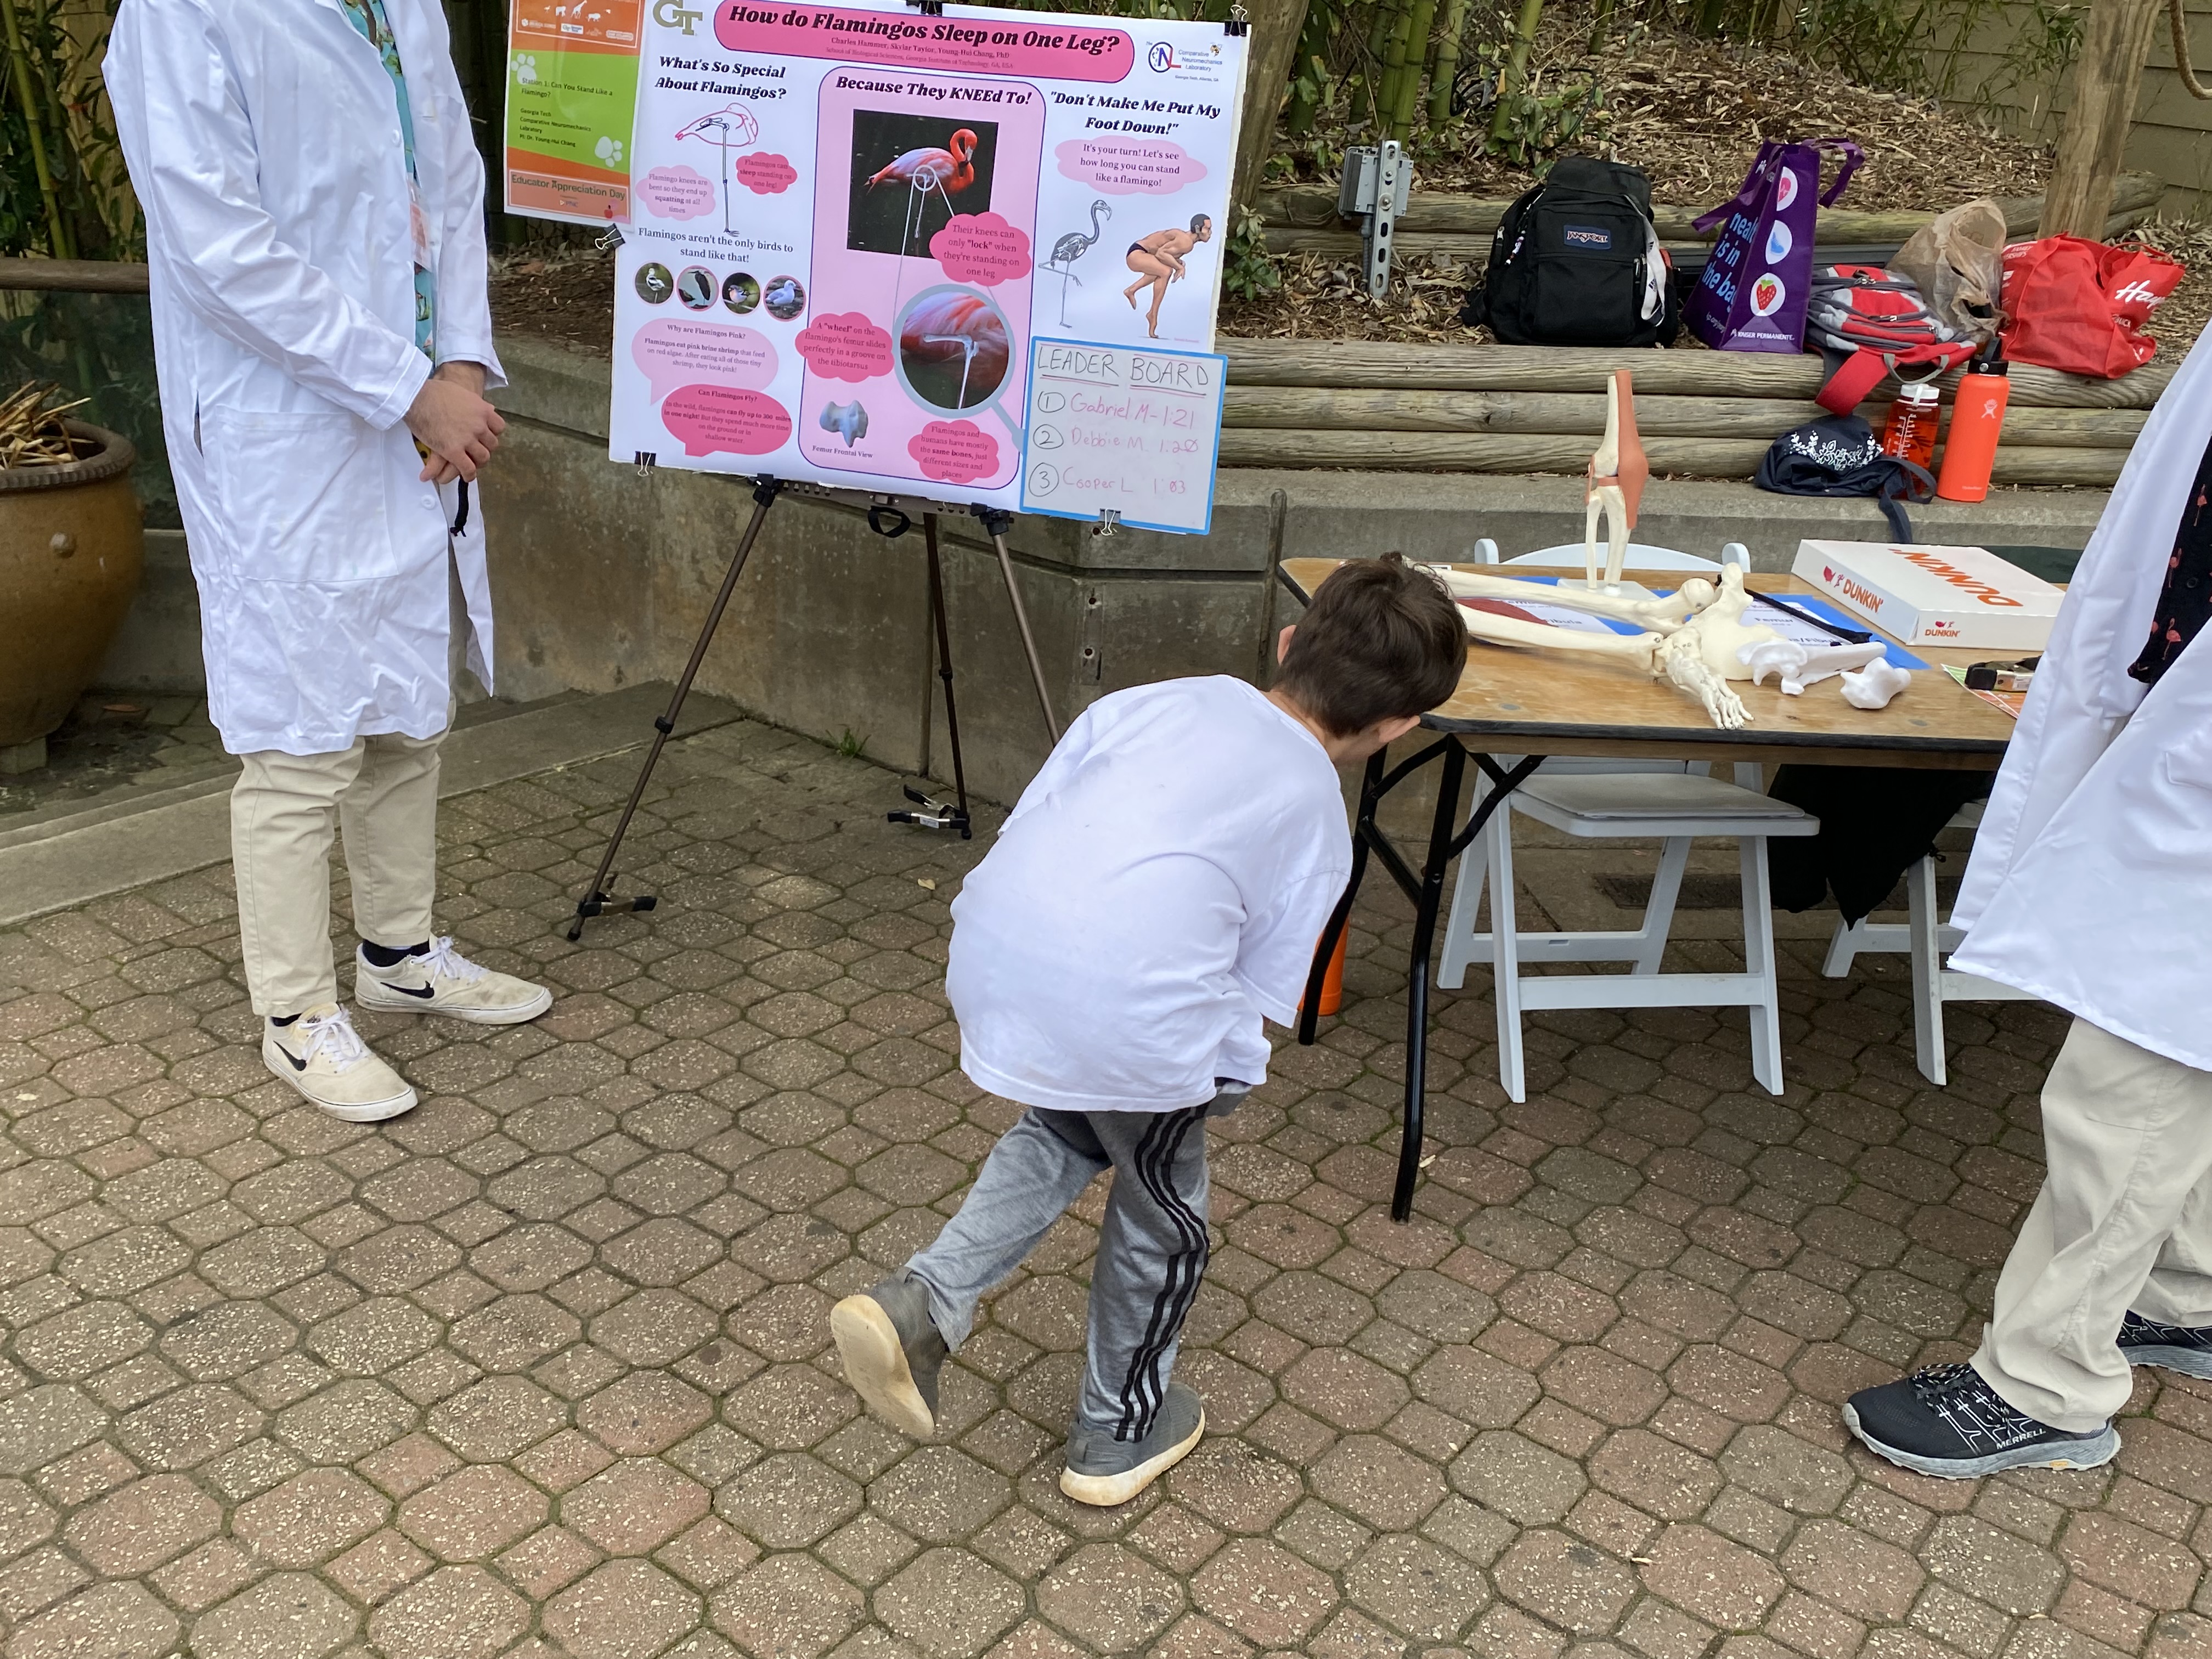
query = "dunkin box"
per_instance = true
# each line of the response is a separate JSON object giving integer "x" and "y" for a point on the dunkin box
{"x": 1924, "y": 595}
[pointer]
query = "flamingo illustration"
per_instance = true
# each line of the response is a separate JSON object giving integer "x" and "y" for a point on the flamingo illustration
{"x": 954, "y": 328}
{"x": 947, "y": 172}
{"x": 734, "y": 126}
{"x": 1070, "y": 248}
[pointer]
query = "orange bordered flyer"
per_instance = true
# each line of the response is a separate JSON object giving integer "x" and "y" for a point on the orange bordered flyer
{"x": 571, "y": 101}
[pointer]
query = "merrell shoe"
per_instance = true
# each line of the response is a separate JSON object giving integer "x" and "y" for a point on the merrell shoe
{"x": 892, "y": 1353}
{"x": 442, "y": 980}
{"x": 322, "y": 1056}
{"x": 1104, "y": 1471}
{"x": 1949, "y": 1421}
{"x": 2177, "y": 1347}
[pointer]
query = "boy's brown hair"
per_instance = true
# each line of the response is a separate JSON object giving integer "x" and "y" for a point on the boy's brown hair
{"x": 1382, "y": 639}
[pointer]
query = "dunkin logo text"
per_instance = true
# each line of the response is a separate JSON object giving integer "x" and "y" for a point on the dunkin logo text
{"x": 1865, "y": 597}
{"x": 1959, "y": 578}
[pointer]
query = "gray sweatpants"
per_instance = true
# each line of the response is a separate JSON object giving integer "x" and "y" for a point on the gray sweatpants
{"x": 2123, "y": 1220}
{"x": 1152, "y": 1249}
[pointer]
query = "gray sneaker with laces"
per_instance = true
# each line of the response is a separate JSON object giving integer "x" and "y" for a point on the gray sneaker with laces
{"x": 1103, "y": 1471}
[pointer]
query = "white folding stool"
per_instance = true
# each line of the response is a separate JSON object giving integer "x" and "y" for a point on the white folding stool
{"x": 1927, "y": 940}
{"x": 1607, "y": 798}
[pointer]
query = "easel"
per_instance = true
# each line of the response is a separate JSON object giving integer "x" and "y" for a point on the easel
{"x": 997, "y": 522}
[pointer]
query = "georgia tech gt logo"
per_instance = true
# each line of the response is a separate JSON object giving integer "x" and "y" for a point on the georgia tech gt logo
{"x": 674, "y": 14}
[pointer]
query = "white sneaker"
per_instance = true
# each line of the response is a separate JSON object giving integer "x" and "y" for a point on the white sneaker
{"x": 322, "y": 1056}
{"x": 442, "y": 980}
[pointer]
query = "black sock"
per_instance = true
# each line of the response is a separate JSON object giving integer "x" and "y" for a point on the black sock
{"x": 283, "y": 1019}
{"x": 385, "y": 955}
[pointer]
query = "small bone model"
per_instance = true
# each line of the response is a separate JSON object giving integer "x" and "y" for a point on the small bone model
{"x": 1618, "y": 471}
{"x": 1873, "y": 686}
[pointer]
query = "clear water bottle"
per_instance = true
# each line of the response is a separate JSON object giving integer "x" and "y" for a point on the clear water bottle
{"x": 1910, "y": 431}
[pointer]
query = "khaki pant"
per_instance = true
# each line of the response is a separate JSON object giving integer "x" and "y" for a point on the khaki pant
{"x": 2123, "y": 1221}
{"x": 285, "y": 810}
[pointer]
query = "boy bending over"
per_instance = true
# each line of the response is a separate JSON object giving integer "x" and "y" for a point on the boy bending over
{"x": 1158, "y": 890}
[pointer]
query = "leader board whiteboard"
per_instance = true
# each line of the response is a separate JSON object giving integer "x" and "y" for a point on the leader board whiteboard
{"x": 1126, "y": 435}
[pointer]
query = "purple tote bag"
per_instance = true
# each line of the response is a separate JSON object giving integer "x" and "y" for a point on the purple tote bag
{"x": 1752, "y": 295}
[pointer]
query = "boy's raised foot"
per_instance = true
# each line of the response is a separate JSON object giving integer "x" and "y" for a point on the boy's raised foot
{"x": 892, "y": 1353}
{"x": 1103, "y": 1471}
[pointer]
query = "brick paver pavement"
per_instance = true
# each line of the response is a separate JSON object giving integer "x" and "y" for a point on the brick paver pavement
{"x": 543, "y": 1368}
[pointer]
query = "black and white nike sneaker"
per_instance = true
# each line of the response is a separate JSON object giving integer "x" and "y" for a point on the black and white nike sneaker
{"x": 1948, "y": 1421}
{"x": 2177, "y": 1347}
{"x": 440, "y": 979}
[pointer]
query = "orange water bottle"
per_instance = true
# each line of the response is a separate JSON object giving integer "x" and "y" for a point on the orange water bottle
{"x": 1977, "y": 418}
{"x": 1910, "y": 431}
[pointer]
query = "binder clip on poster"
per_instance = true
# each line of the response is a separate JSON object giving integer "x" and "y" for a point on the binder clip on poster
{"x": 1376, "y": 181}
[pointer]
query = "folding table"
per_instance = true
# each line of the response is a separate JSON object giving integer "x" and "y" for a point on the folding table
{"x": 1534, "y": 703}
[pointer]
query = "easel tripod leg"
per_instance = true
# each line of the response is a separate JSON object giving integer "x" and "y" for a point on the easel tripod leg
{"x": 945, "y": 664}
{"x": 997, "y": 522}
{"x": 596, "y": 900}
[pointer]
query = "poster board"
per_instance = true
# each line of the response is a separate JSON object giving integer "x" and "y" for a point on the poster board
{"x": 1130, "y": 431}
{"x": 571, "y": 72}
{"x": 850, "y": 221}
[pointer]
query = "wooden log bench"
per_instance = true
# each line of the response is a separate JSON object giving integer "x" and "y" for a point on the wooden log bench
{"x": 1389, "y": 406}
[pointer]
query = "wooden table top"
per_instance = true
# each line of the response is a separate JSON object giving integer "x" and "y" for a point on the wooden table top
{"x": 1553, "y": 703}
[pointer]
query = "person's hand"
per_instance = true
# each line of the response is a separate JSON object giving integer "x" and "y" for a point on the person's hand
{"x": 450, "y": 418}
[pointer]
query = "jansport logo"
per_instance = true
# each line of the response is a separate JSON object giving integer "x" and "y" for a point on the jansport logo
{"x": 1160, "y": 56}
{"x": 1865, "y": 598}
{"x": 1958, "y": 578}
{"x": 1596, "y": 237}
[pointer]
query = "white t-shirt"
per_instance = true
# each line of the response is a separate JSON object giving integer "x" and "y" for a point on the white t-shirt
{"x": 1160, "y": 887}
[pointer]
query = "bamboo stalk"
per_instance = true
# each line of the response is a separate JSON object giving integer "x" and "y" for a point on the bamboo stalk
{"x": 1394, "y": 63}
{"x": 62, "y": 244}
{"x": 1420, "y": 19}
{"x": 1444, "y": 77}
{"x": 1516, "y": 63}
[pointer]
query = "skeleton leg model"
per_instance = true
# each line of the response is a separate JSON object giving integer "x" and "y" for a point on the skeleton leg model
{"x": 1659, "y": 614}
{"x": 1617, "y": 475}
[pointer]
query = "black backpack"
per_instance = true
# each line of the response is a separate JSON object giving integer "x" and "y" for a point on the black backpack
{"x": 1576, "y": 262}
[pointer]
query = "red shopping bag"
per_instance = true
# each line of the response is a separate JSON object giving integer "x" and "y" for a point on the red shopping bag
{"x": 2080, "y": 306}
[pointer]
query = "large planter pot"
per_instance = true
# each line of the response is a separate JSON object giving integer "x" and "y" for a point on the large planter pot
{"x": 71, "y": 548}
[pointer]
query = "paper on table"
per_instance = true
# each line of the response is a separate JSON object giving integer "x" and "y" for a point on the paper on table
{"x": 1557, "y": 616}
{"x": 2010, "y": 702}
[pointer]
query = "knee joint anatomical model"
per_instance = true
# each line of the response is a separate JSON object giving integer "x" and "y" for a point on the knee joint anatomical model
{"x": 1618, "y": 472}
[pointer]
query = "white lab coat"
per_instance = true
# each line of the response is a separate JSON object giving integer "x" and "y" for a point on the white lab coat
{"x": 263, "y": 138}
{"x": 2092, "y": 876}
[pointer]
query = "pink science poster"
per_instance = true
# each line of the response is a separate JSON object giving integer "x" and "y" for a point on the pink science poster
{"x": 850, "y": 220}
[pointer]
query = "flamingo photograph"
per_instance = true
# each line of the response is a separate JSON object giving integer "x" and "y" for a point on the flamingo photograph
{"x": 910, "y": 174}
{"x": 954, "y": 347}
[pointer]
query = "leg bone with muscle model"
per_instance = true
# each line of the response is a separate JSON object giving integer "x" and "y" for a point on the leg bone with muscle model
{"x": 1618, "y": 471}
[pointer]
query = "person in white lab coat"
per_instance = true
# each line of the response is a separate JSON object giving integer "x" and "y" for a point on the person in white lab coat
{"x": 2089, "y": 886}
{"x": 314, "y": 203}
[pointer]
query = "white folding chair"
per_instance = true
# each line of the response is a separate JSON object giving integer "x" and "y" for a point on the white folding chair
{"x": 1615, "y": 798}
{"x": 1927, "y": 940}
{"x": 1677, "y": 808}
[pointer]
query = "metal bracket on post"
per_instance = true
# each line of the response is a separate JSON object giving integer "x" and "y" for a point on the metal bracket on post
{"x": 1376, "y": 181}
